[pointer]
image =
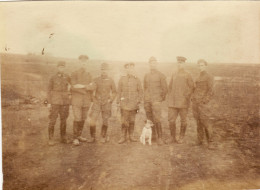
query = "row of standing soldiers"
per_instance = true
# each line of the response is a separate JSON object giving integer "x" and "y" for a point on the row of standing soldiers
{"x": 80, "y": 91}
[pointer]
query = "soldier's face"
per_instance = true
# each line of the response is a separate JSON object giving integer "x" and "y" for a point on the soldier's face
{"x": 83, "y": 64}
{"x": 104, "y": 72}
{"x": 202, "y": 67}
{"x": 130, "y": 70}
{"x": 153, "y": 65}
{"x": 61, "y": 69}
{"x": 180, "y": 65}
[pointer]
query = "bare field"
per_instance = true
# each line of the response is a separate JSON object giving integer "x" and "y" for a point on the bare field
{"x": 29, "y": 163}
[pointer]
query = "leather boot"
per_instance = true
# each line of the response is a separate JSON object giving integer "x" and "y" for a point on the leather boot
{"x": 159, "y": 131}
{"x": 207, "y": 125}
{"x": 80, "y": 128}
{"x": 51, "y": 131}
{"x": 103, "y": 133}
{"x": 63, "y": 132}
{"x": 182, "y": 132}
{"x": 75, "y": 133}
{"x": 200, "y": 132}
{"x": 51, "y": 134}
{"x": 172, "y": 139}
{"x": 92, "y": 134}
{"x": 154, "y": 134}
{"x": 62, "y": 129}
{"x": 75, "y": 129}
{"x": 127, "y": 135}
{"x": 131, "y": 133}
{"x": 123, "y": 135}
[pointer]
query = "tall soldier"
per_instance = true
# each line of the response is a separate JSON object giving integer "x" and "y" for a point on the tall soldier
{"x": 200, "y": 103}
{"x": 82, "y": 90}
{"x": 180, "y": 90}
{"x": 105, "y": 94}
{"x": 130, "y": 94}
{"x": 58, "y": 99}
{"x": 155, "y": 90}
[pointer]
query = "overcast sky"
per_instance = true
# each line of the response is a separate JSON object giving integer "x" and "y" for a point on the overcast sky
{"x": 134, "y": 31}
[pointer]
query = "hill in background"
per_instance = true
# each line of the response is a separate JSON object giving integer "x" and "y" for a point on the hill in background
{"x": 29, "y": 74}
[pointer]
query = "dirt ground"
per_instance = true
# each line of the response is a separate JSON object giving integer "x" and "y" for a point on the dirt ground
{"x": 29, "y": 163}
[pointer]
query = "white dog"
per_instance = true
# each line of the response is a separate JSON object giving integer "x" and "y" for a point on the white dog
{"x": 146, "y": 135}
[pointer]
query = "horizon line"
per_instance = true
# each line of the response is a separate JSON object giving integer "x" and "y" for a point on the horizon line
{"x": 58, "y": 57}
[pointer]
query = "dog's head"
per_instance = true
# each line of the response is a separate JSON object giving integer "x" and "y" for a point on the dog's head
{"x": 148, "y": 124}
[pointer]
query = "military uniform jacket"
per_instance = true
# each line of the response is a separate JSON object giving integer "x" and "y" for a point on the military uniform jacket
{"x": 180, "y": 90}
{"x": 130, "y": 92}
{"x": 105, "y": 90}
{"x": 81, "y": 97}
{"x": 203, "y": 88}
{"x": 155, "y": 87}
{"x": 58, "y": 89}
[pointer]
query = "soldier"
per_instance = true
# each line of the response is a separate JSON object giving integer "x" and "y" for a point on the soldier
{"x": 59, "y": 101}
{"x": 82, "y": 90}
{"x": 155, "y": 90}
{"x": 200, "y": 103}
{"x": 105, "y": 94}
{"x": 180, "y": 90}
{"x": 130, "y": 94}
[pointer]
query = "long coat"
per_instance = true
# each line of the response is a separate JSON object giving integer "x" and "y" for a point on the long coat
{"x": 81, "y": 97}
{"x": 180, "y": 90}
{"x": 58, "y": 93}
{"x": 105, "y": 90}
{"x": 130, "y": 92}
{"x": 203, "y": 91}
{"x": 155, "y": 87}
{"x": 202, "y": 96}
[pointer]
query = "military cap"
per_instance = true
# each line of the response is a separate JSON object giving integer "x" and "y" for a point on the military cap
{"x": 83, "y": 57}
{"x": 181, "y": 59}
{"x": 61, "y": 64}
{"x": 127, "y": 65}
{"x": 202, "y": 61}
{"x": 152, "y": 59}
{"x": 104, "y": 66}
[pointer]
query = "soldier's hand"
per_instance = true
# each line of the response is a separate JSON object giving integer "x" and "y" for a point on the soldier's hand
{"x": 91, "y": 86}
{"x": 45, "y": 102}
{"x": 138, "y": 107}
{"x": 78, "y": 86}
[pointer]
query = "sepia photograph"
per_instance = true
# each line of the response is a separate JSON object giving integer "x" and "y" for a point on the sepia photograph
{"x": 130, "y": 95}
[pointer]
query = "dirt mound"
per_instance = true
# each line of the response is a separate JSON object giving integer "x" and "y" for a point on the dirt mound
{"x": 10, "y": 94}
